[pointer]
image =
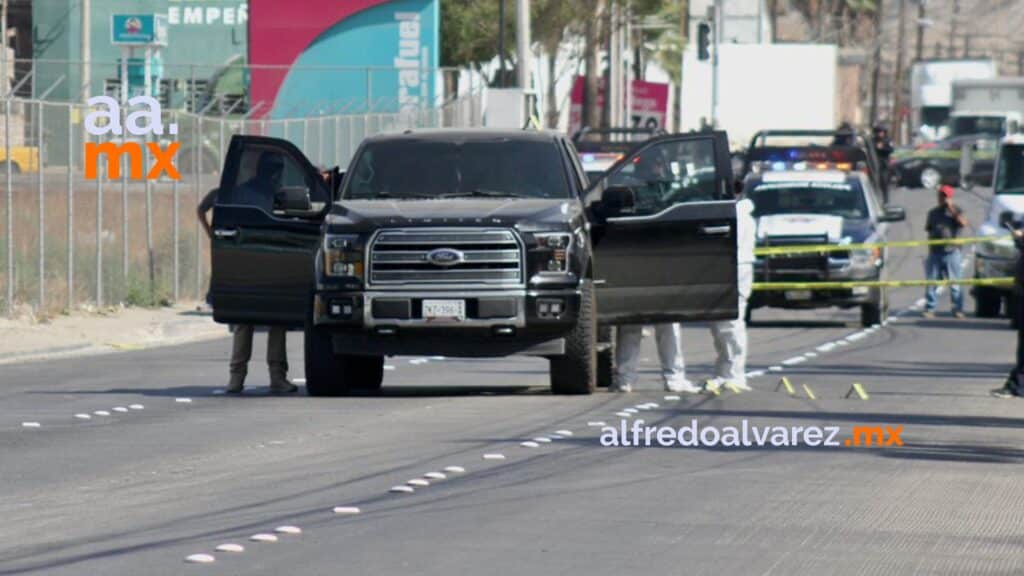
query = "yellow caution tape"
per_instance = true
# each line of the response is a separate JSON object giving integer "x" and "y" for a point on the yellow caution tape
{"x": 773, "y": 286}
{"x": 810, "y": 393}
{"x": 735, "y": 389}
{"x": 859, "y": 390}
{"x": 823, "y": 248}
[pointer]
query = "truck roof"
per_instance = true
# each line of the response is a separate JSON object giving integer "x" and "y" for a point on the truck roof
{"x": 1010, "y": 81}
{"x": 464, "y": 134}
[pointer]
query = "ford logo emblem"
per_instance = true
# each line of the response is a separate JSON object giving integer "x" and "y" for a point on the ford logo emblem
{"x": 445, "y": 257}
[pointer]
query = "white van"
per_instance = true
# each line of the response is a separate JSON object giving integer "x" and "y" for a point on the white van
{"x": 997, "y": 258}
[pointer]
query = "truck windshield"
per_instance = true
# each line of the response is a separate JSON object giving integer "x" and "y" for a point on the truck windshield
{"x": 409, "y": 168}
{"x": 831, "y": 198}
{"x": 969, "y": 125}
{"x": 1010, "y": 179}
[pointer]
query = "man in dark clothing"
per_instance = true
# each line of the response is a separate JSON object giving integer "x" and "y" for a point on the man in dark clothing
{"x": 1014, "y": 385}
{"x": 945, "y": 222}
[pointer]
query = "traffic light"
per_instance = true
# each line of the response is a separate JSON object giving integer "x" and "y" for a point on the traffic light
{"x": 703, "y": 41}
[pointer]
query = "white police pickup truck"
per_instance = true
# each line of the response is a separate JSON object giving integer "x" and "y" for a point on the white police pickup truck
{"x": 996, "y": 257}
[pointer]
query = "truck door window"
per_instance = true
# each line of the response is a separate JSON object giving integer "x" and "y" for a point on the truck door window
{"x": 670, "y": 173}
{"x": 1010, "y": 179}
{"x": 263, "y": 171}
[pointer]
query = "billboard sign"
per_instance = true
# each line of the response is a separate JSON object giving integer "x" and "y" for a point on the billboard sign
{"x": 648, "y": 110}
{"x": 353, "y": 56}
{"x": 138, "y": 29}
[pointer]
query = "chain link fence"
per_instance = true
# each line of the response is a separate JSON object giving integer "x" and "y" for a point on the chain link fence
{"x": 67, "y": 241}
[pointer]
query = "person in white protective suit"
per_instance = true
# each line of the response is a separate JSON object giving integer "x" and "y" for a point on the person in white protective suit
{"x": 670, "y": 352}
{"x": 730, "y": 336}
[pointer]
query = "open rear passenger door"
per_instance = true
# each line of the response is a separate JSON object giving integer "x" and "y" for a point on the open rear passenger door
{"x": 664, "y": 233}
{"x": 266, "y": 231}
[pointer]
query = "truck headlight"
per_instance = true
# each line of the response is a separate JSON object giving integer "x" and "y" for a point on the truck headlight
{"x": 343, "y": 256}
{"x": 867, "y": 258}
{"x": 555, "y": 246}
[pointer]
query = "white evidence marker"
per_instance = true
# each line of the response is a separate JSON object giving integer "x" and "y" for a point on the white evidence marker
{"x": 101, "y": 413}
{"x": 494, "y": 456}
{"x": 288, "y": 530}
{"x": 30, "y": 424}
{"x": 529, "y": 444}
{"x": 418, "y": 482}
{"x": 455, "y": 469}
{"x": 120, "y": 409}
{"x": 183, "y": 400}
{"x": 200, "y": 559}
{"x": 671, "y": 397}
{"x": 137, "y": 407}
{"x": 596, "y": 423}
{"x": 402, "y": 489}
{"x": 230, "y": 547}
{"x": 263, "y": 537}
{"x": 83, "y": 416}
{"x": 347, "y": 510}
{"x": 563, "y": 432}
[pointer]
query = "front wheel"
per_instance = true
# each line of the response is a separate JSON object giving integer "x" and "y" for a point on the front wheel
{"x": 987, "y": 302}
{"x": 576, "y": 371}
{"x": 323, "y": 367}
{"x": 875, "y": 312}
{"x": 931, "y": 178}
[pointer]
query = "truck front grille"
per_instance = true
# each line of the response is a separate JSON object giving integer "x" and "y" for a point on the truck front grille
{"x": 486, "y": 257}
{"x": 805, "y": 266}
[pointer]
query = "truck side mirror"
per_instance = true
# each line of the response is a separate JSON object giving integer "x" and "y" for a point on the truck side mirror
{"x": 617, "y": 200}
{"x": 293, "y": 201}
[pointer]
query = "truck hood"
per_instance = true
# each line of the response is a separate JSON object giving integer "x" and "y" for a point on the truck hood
{"x": 511, "y": 212}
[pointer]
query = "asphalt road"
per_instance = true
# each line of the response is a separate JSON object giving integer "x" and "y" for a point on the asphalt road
{"x": 138, "y": 491}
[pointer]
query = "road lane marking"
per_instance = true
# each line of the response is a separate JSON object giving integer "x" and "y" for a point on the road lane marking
{"x": 230, "y": 547}
{"x": 671, "y": 397}
{"x": 794, "y": 360}
{"x": 529, "y": 444}
{"x": 83, "y": 416}
{"x": 263, "y": 537}
{"x": 435, "y": 475}
{"x": 347, "y": 510}
{"x": 624, "y": 414}
{"x": 120, "y": 409}
{"x": 30, "y": 424}
{"x": 183, "y": 400}
{"x": 596, "y": 424}
{"x": 293, "y": 530}
{"x": 564, "y": 432}
{"x": 494, "y": 456}
{"x": 775, "y": 368}
{"x": 200, "y": 559}
{"x": 389, "y": 367}
{"x": 137, "y": 407}
{"x": 455, "y": 469}
{"x": 101, "y": 413}
{"x": 542, "y": 439}
{"x": 402, "y": 489}
{"x": 418, "y": 482}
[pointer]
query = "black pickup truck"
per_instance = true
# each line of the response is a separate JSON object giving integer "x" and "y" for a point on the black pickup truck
{"x": 472, "y": 243}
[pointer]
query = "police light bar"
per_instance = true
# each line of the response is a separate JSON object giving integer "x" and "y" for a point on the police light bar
{"x": 781, "y": 166}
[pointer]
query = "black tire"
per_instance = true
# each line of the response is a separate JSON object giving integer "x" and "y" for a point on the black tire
{"x": 323, "y": 367}
{"x": 987, "y": 302}
{"x": 606, "y": 357}
{"x": 875, "y": 312}
{"x": 576, "y": 371}
{"x": 364, "y": 373}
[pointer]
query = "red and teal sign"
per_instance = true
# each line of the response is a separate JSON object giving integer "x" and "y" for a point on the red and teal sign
{"x": 325, "y": 56}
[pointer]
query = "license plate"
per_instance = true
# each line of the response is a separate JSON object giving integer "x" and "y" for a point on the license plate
{"x": 798, "y": 295}
{"x": 444, "y": 310}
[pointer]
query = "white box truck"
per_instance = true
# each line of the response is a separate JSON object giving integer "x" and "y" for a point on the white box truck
{"x": 991, "y": 107}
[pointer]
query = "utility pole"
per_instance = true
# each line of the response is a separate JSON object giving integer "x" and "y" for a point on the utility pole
{"x": 501, "y": 43}
{"x": 523, "y": 42}
{"x": 876, "y": 64}
{"x": 86, "y": 50}
{"x": 897, "y": 78}
{"x": 919, "y": 44}
{"x": 6, "y": 64}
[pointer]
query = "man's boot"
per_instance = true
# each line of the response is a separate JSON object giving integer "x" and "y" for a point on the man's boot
{"x": 279, "y": 383}
{"x": 236, "y": 384}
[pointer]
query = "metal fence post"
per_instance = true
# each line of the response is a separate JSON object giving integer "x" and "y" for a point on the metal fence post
{"x": 149, "y": 219}
{"x": 71, "y": 207}
{"x": 195, "y": 186}
{"x": 42, "y": 207}
{"x": 125, "y": 264}
{"x": 101, "y": 173}
{"x": 10, "y": 208}
{"x": 176, "y": 233}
